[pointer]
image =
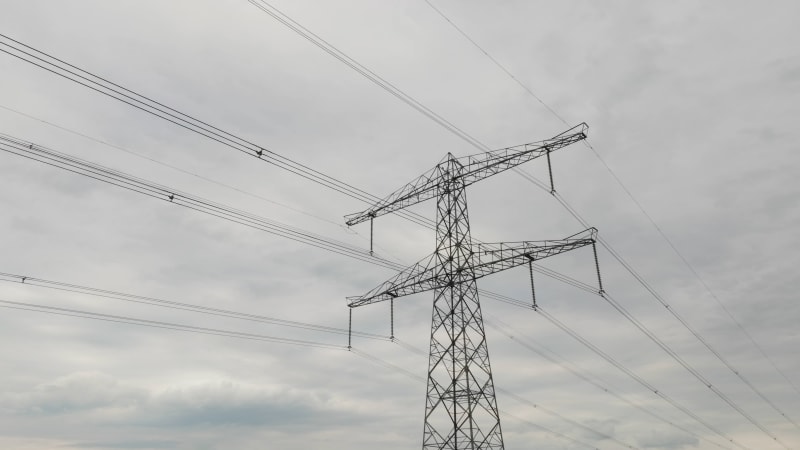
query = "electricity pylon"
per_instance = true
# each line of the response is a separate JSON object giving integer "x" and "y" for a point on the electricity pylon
{"x": 461, "y": 409}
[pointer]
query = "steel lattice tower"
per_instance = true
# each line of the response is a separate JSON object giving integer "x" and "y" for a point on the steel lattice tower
{"x": 460, "y": 409}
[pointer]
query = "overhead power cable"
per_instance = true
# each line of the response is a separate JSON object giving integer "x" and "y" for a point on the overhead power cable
{"x": 611, "y": 360}
{"x": 654, "y": 294}
{"x": 173, "y": 167}
{"x": 527, "y": 343}
{"x": 338, "y": 224}
{"x": 683, "y": 322}
{"x": 71, "y": 312}
{"x": 72, "y": 164}
{"x": 635, "y": 376}
{"x": 332, "y": 50}
{"x": 661, "y": 344}
{"x": 114, "y": 295}
{"x": 649, "y": 218}
{"x": 104, "y": 293}
{"x": 518, "y": 398}
{"x": 495, "y": 62}
{"x": 159, "y": 324}
{"x": 570, "y": 421}
{"x": 103, "y": 86}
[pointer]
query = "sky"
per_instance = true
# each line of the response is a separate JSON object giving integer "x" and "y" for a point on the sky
{"x": 692, "y": 105}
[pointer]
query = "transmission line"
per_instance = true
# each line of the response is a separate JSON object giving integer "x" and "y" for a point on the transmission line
{"x": 547, "y": 411}
{"x": 570, "y": 421}
{"x": 114, "y": 295}
{"x": 71, "y": 312}
{"x": 683, "y": 322}
{"x": 104, "y": 293}
{"x": 103, "y": 86}
{"x": 332, "y": 50}
{"x": 339, "y": 225}
{"x": 513, "y": 335}
{"x": 72, "y": 164}
{"x": 159, "y": 324}
{"x": 611, "y": 360}
{"x": 661, "y": 344}
{"x": 176, "y": 168}
{"x": 653, "y": 293}
{"x": 495, "y": 62}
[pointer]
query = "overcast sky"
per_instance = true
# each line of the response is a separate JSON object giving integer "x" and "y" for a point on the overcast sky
{"x": 693, "y": 105}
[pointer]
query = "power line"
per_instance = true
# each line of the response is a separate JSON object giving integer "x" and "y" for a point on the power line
{"x": 611, "y": 360}
{"x": 152, "y": 301}
{"x": 63, "y": 161}
{"x": 528, "y": 344}
{"x": 570, "y": 421}
{"x": 683, "y": 322}
{"x": 496, "y": 62}
{"x": 159, "y": 324}
{"x": 418, "y": 378}
{"x": 71, "y": 312}
{"x": 661, "y": 344}
{"x": 339, "y": 225}
{"x": 113, "y": 90}
{"x": 173, "y": 167}
{"x": 634, "y": 376}
{"x": 332, "y": 50}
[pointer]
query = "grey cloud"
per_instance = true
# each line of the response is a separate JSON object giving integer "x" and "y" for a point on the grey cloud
{"x": 667, "y": 440}
{"x": 75, "y": 393}
{"x": 693, "y": 109}
{"x": 226, "y": 403}
{"x": 131, "y": 444}
{"x": 206, "y": 404}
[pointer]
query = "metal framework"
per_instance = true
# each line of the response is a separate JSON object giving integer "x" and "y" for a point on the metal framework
{"x": 460, "y": 408}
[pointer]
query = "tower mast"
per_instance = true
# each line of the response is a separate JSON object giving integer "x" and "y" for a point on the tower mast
{"x": 461, "y": 408}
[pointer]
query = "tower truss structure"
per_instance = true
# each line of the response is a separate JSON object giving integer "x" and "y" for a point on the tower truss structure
{"x": 461, "y": 408}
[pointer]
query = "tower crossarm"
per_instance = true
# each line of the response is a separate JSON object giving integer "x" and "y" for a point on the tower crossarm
{"x": 487, "y": 259}
{"x": 420, "y": 277}
{"x": 493, "y": 258}
{"x": 473, "y": 168}
{"x": 484, "y": 165}
{"x": 423, "y": 188}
